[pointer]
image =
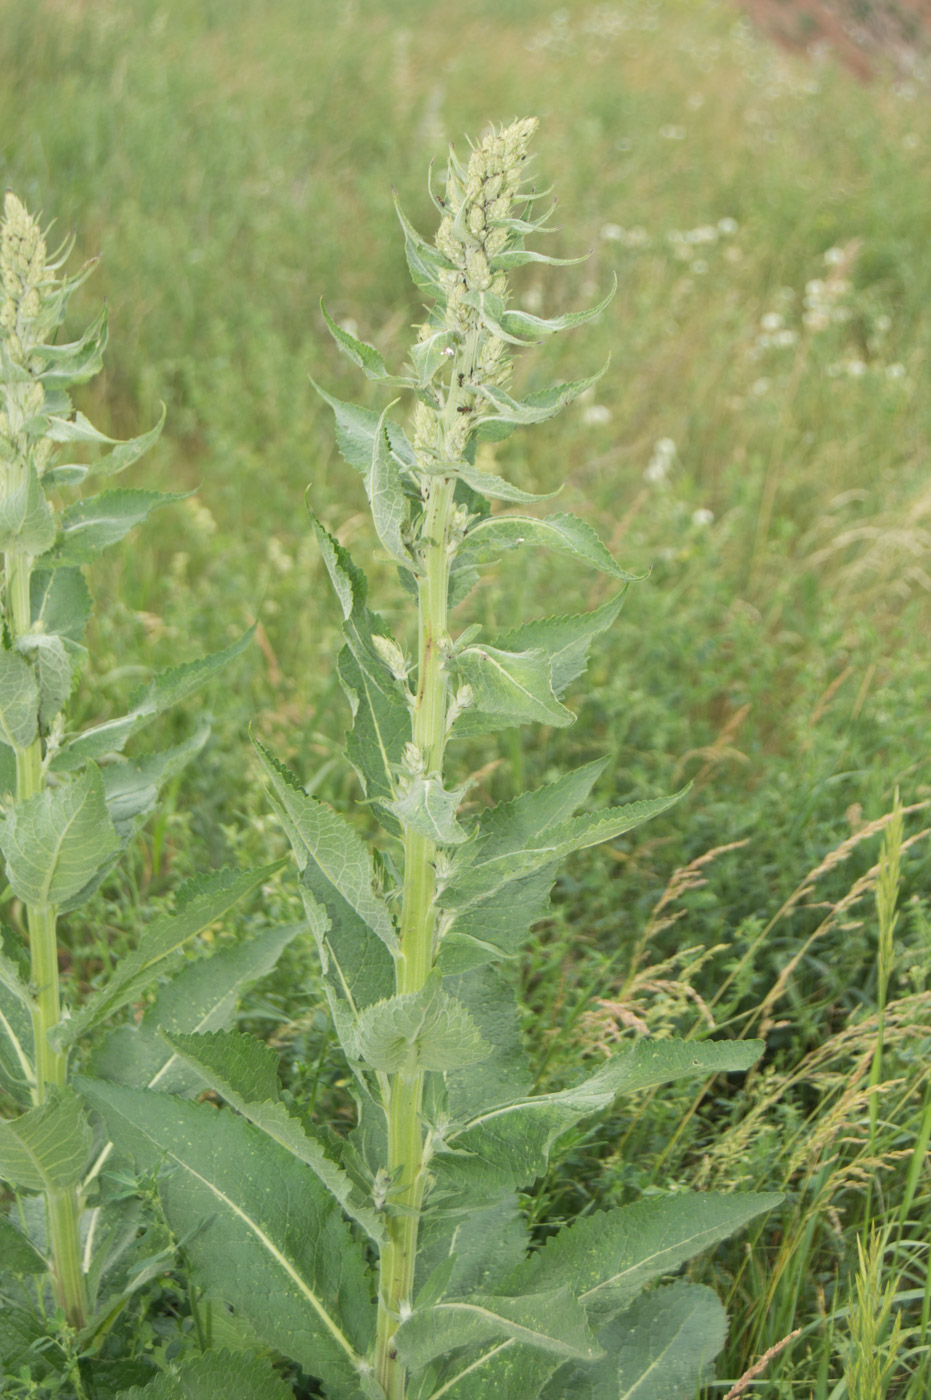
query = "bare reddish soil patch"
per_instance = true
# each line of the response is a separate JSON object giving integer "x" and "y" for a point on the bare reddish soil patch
{"x": 869, "y": 36}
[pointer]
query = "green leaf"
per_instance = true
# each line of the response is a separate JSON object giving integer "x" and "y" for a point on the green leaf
{"x": 425, "y": 806}
{"x": 662, "y": 1348}
{"x": 46, "y": 1148}
{"x": 566, "y": 640}
{"x": 425, "y": 262}
{"x": 202, "y": 996}
{"x": 19, "y": 701}
{"x": 131, "y": 787}
{"x": 516, "y": 686}
{"x": 551, "y": 1322}
{"x": 93, "y": 524}
{"x": 609, "y": 1257}
{"x": 17, "y": 1254}
{"x": 262, "y": 1232}
{"x": 167, "y": 689}
{"x": 17, "y": 1054}
{"x": 386, "y": 497}
{"x": 537, "y": 407}
{"x": 160, "y": 943}
{"x": 495, "y": 488}
{"x": 473, "y": 1255}
{"x": 482, "y": 867}
{"x": 509, "y": 1145}
{"x": 356, "y": 432}
{"x": 515, "y": 325}
{"x": 77, "y": 361}
{"x": 243, "y": 1071}
{"x": 215, "y": 1375}
{"x": 335, "y": 862}
{"x": 60, "y": 603}
{"x": 365, "y": 356}
{"x": 381, "y": 717}
{"x": 419, "y": 1031}
{"x": 27, "y": 521}
{"x": 565, "y": 534}
{"x": 55, "y": 842}
{"x": 56, "y": 661}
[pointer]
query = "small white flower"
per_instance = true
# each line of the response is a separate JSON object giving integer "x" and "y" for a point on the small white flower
{"x": 672, "y": 132}
{"x": 772, "y": 321}
{"x": 727, "y": 226}
{"x": 612, "y": 233}
{"x": 702, "y": 517}
{"x": 759, "y": 387}
{"x": 834, "y": 256}
{"x": 596, "y": 415}
{"x": 855, "y": 368}
{"x": 895, "y": 371}
{"x": 699, "y": 267}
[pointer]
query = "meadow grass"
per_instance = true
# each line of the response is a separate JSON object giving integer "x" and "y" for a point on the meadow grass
{"x": 760, "y": 443}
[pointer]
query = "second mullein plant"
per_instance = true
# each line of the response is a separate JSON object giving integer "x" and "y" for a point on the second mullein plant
{"x": 396, "y": 1263}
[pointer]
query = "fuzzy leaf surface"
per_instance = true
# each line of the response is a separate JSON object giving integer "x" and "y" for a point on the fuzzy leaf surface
{"x": 564, "y": 534}
{"x": 17, "y": 1254}
{"x": 552, "y": 1322}
{"x": 56, "y": 661}
{"x": 662, "y": 1348}
{"x": 208, "y": 898}
{"x": 243, "y": 1071}
{"x": 131, "y": 787}
{"x": 430, "y": 809}
{"x": 356, "y": 432}
{"x": 509, "y": 1145}
{"x": 163, "y": 691}
{"x": 537, "y": 407}
{"x": 93, "y": 524}
{"x": 17, "y": 1052}
{"x": 386, "y": 496}
{"x": 60, "y": 603}
{"x": 19, "y": 701}
{"x": 425, "y": 1030}
{"x": 215, "y": 1375}
{"x": 46, "y": 1148}
{"x": 201, "y": 997}
{"x": 27, "y": 521}
{"x": 516, "y": 686}
{"x": 609, "y": 1257}
{"x": 263, "y": 1233}
{"x": 55, "y": 842}
{"x": 123, "y": 454}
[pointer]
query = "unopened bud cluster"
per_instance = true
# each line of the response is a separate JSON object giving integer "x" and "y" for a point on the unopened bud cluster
{"x": 473, "y": 231}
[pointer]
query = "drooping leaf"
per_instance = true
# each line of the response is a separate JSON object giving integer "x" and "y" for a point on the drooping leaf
{"x": 55, "y": 842}
{"x": 243, "y": 1071}
{"x": 96, "y": 522}
{"x": 387, "y": 498}
{"x": 74, "y": 362}
{"x": 19, "y": 701}
{"x": 46, "y": 1148}
{"x": 356, "y": 431}
{"x": 263, "y": 1233}
{"x": 215, "y": 1375}
{"x": 131, "y": 786}
{"x": 164, "y": 690}
{"x": 56, "y": 661}
{"x": 495, "y": 488}
{"x": 551, "y": 1322}
{"x": 664, "y": 1345}
{"x": 365, "y": 356}
{"x": 565, "y": 640}
{"x": 425, "y": 806}
{"x": 515, "y": 686}
{"x": 161, "y": 943}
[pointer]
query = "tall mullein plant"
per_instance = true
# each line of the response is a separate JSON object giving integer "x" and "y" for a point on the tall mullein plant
{"x": 70, "y": 799}
{"x": 395, "y": 1263}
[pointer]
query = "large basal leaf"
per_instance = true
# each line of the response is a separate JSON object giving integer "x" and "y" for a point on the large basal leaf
{"x": 552, "y": 1322}
{"x": 164, "y": 690}
{"x": 243, "y": 1071}
{"x": 200, "y": 997}
{"x": 46, "y": 1149}
{"x": 160, "y": 943}
{"x": 215, "y": 1375}
{"x": 508, "y": 1146}
{"x": 261, "y": 1230}
{"x": 609, "y": 1257}
{"x": 55, "y": 842}
{"x": 19, "y": 701}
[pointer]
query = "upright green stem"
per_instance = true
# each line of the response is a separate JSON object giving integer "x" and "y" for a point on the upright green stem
{"x": 405, "y": 1126}
{"x": 51, "y": 1067}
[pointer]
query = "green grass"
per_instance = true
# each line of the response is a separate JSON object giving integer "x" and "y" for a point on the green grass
{"x": 234, "y": 163}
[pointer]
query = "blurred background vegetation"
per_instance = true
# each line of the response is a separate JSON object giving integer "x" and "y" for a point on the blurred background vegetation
{"x": 759, "y": 446}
